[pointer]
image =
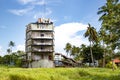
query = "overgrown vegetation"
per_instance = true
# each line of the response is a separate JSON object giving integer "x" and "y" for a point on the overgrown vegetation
{"x": 58, "y": 74}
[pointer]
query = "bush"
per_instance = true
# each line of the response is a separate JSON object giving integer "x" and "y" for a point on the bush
{"x": 111, "y": 65}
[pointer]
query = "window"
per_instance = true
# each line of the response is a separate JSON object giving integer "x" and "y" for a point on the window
{"x": 42, "y": 41}
{"x": 37, "y": 26}
{"x": 41, "y": 48}
{"x": 42, "y": 35}
{"x": 50, "y": 57}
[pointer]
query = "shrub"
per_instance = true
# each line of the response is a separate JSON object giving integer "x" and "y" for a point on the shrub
{"x": 111, "y": 65}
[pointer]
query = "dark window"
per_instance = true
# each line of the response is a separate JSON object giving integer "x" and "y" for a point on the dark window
{"x": 42, "y": 35}
{"x": 42, "y": 41}
{"x": 50, "y": 57}
{"x": 41, "y": 48}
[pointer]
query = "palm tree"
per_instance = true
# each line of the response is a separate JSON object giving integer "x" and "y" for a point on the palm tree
{"x": 68, "y": 48}
{"x": 11, "y": 44}
{"x": 92, "y": 37}
{"x": 110, "y": 22}
{"x": 111, "y": 18}
{"x": 8, "y": 51}
{"x": 102, "y": 37}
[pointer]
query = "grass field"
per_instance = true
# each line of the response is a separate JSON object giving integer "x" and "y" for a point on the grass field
{"x": 58, "y": 74}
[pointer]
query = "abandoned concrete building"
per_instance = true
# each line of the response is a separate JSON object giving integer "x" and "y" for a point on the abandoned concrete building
{"x": 40, "y": 44}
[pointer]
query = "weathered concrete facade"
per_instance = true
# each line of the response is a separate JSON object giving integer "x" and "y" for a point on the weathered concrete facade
{"x": 40, "y": 43}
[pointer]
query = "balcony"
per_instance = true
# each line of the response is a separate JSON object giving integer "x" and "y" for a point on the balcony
{"x": 40, "y": 37}
{"x": 43, "y": 29}
{"x": 42, "y": 50}
{"x": 39, "y": 43}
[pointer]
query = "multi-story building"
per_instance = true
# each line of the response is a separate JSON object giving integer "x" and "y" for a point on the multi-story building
{"x": 40, "y": 43}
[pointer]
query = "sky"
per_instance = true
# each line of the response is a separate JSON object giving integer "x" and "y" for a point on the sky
{"x": 70, "y": 18}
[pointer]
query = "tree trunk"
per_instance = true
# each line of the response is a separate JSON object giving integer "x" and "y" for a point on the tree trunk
{"x": 104, "y": 55}
{"x": 112, "y": 60}
{"x": 91, "y": 54}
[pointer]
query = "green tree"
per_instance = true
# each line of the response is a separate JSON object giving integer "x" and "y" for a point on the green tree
{"x": 97, "y": 53}
{"x": 110, "y": 17}
{"x": 8, "y": 51}
{"x": 11, "y": 45}
{"x": 68, "y": 48}
{"x": 92, "y": 37}
{"x": 75, "y": 51}
{"x": 110, "y": 22}
{"x": 79, "y": 55}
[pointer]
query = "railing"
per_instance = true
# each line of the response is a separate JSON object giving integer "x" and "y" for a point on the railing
{"x": 45, "y": 37}
{"x": 42, "y": 50}
{"x": 39, "y": 43}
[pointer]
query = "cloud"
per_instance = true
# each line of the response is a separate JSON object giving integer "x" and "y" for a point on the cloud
{"x": 2, "y": 53}
{"x": 20, "y": 47}
{"x": 39, "y": 2}
{"x": 68, "y": 32}
{"x": 21, "y": 12}
{"x": 26, "y": 1}
{"x": 42, "y": 14}
{"x": 32, "y": 2}
{"x": 0, "y": 49}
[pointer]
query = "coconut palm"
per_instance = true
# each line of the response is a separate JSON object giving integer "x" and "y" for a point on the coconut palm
{"x": 68, "y": 48}
{"x": 102, "y": 38}
{"x": 11, "y": 44}
{"x": 8, "y": 51}
{"x": 110, "y": 17}
{"x": 92, "y": 37}
{"x": 110, "y": 22}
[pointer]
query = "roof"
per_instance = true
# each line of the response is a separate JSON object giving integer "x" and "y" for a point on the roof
{"x": 116, "y": 61}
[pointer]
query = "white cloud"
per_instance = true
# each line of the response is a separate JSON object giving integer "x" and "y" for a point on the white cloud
{"x": 20, "y": 47}
{"x": 21, "y": 11}
{"x": 39, "y": 2}
{"x": 68, "y": 33}
{"x": 43, "y": 14}
{"x": 26, "y": 1}
{"x": 33, "y": 2}
{"x": 0, "y": 49}
{"x": 2, "y": 53}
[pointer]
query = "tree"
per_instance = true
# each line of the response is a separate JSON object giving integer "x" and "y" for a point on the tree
{"x": 11, "y": 44}
{"x": 97, "y": 53}
{"x": 8, "y": 51}
{"x": 79, "y": 55}
{"x": 68, "y": 48}
{"x": 92, "y": 37}
{"x": 111, "y": 22}
{"x": 110, "y": 17}
{"x": 75, "y": 51}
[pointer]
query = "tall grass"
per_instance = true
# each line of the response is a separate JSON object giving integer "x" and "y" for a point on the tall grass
{"x": 58, "y": 74}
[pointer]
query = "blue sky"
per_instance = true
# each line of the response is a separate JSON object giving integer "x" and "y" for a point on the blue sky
{"x": 69, "y": 16}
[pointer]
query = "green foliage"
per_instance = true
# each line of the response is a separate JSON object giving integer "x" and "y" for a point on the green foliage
{"x": 13, "y": 59}
{"x": 111, "y": 65}
{"x": 97, "y": 53}
{"x": 58, "y": 74}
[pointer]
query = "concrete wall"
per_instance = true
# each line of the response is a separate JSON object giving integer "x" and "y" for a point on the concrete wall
{"x": 42, "y": 63}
